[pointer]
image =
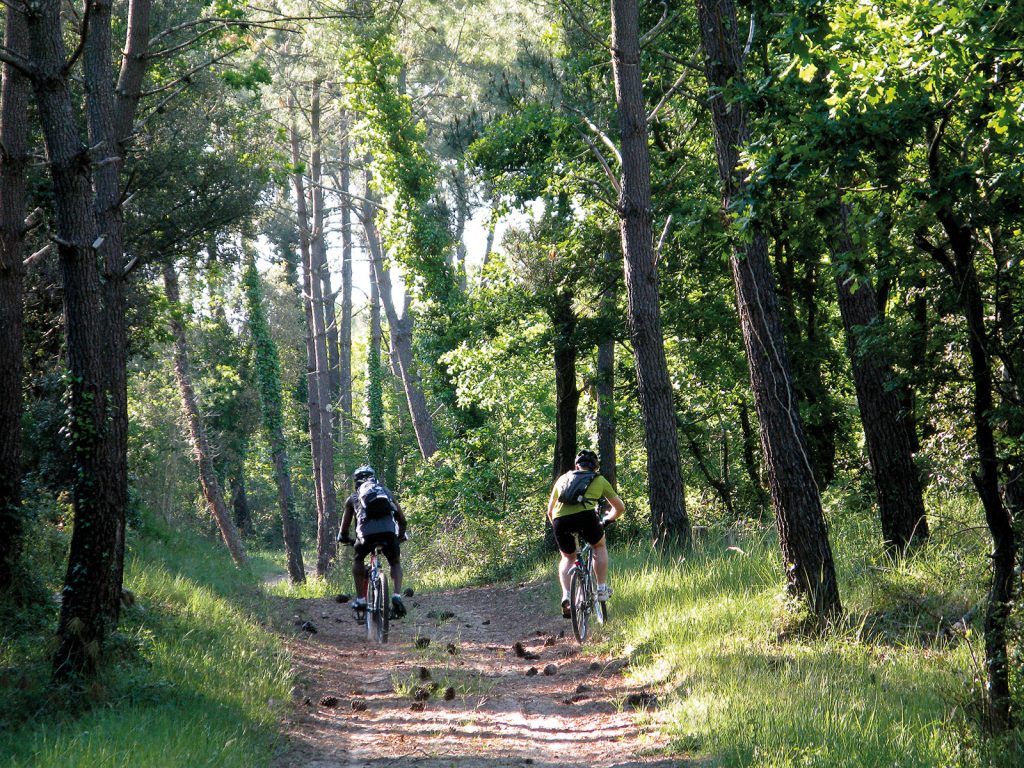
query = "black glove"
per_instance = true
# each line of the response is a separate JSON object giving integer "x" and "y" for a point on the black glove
{"x": 403, "y": 537}
{"x": 607, "y": 521}
{"x": 343, "y": 539}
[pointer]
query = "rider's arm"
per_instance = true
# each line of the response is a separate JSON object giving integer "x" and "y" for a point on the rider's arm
{"x": 551, "y": 502}
{"x": 618, "y": 508}
{"x": 346, "y": 520}
{"x": 400, "y": 519}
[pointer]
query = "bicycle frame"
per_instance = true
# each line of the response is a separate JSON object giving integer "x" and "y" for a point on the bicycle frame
{"x": 583, "y": 593}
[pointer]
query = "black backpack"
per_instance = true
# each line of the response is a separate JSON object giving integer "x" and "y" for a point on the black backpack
{"x": 575, "y": 486}
{"x": 374, "y": 500}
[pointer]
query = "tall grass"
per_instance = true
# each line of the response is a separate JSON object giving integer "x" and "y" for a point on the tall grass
{"x": 191, "y": 678}
{"x": 893, "y": 684}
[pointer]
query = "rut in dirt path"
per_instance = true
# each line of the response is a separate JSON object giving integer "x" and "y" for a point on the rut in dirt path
{"x": 472, "y": 678}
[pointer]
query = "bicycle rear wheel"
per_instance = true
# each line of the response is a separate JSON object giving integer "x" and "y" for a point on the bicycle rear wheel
{"x": 377, "y": 609}
{"x": 579, "y": 608}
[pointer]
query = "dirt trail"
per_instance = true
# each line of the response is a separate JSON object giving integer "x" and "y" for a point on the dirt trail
{"x": 356, "y": 703}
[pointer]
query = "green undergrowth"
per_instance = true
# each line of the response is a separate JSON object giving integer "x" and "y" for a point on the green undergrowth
{"x": 893, "y": 683}
{"x": 190, "y": 678}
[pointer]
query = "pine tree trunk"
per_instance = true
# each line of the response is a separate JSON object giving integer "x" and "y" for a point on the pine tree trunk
{"x": 240, "y": 511}
{"x": 321, "y": 445}
{"x": 749, "y": 459}
{"x": 606, "y": 393}
{"x": 897, "y": 483}
{"x": 376, "y": 450}
{"x": 567, "y": 394}
{"x": 327, "y": 373}
{"x": 268, "y": 381}
{"x": 803, "y": 535}
{"x": 197, "y": 431}
{"x": 345, "y": 334}
{"x": 402, "y": 330}
{"x": 669, "y": 522}
{"x": 14, "y": 97}
{"x": 84, "y": 622}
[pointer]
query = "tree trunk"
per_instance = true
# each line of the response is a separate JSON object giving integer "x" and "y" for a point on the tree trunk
{"x": 897, "y": 483}
{"x": 462, "y": 214}
{"x": 749, "y": 460}
{"x": 402, "y": 329}
{"x": 240, "y": 511}
{"x": 14, "y": 96}
{"x": 322, "y": 268}
{"x": 268, "y": 381}
{"x": 803, "y": 535}
{"x": 345, "y": 335}
{"x": 567, "y": 394}
{"x": 669, "y": 522}
{"x": 606, "y": 392}
{"x": 321, "y": 443}
{"x": 194, "y": 420}
{"x": 326, "y": 345}
{"x": 376, "y": 450}
{"x": 84, "y": 622}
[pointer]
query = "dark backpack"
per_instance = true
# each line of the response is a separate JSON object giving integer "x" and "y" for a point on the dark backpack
{"x": 575, "y": 486}
{"x": 374, "y": 500}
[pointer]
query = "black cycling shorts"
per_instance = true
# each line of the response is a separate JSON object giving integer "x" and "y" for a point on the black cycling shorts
{"x": 585, "y": 523}
{"x": 388, "y": 542}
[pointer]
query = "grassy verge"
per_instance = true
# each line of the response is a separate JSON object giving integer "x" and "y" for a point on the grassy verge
{"x": 895, "y": 684}
{"x": 192, "y": 678}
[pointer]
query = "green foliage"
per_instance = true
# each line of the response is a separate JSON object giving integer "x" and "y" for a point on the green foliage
{"x": 191, "y": 677}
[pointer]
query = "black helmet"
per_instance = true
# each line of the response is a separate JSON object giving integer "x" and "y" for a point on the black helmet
{"x": 586, "y": 458}
{"x": 362, "y": 473}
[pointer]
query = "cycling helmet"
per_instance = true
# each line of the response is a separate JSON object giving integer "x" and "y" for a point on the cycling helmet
{"x": 586, "y": 458}
{"x": 362, "y": 473}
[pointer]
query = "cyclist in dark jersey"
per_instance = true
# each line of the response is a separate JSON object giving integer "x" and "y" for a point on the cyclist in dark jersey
{"x": 569, "y": 520}
{"x": 388, "y": 531}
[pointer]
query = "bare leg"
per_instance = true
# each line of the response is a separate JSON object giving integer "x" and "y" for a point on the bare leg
{"x": 359, "y": 576}
{"x": 601, "y": 561}
{"x": 396, "y": 576}
{"x": 564, "y": 566}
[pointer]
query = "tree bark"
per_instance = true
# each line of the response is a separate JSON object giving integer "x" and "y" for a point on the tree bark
{"x": 240, "y": 511}
{"x": 402, "y": 330}
{"x": 84, "y": 621}
{"x": 749, "y": 459}
{"x": 268, "y": 379}
{"x": 345, "y": 335}
{"x": 326, "y": 344}
{"x": 897, "y": 483}
{"x": 321, "y": 442}
{"x": 803, "y": 535}
{"x": 669, "y": 522}
{"x": 606, "y": 393}
{"x": 567, "y": 393}
{"x": 376, "y": 450}
{"x": 197, "y": 431}
{"x": 14, "y": 96}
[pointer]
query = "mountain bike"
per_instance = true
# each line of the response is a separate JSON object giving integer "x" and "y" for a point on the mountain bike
{"x": 377, "y": 613}
{"x": 583, "y": 602}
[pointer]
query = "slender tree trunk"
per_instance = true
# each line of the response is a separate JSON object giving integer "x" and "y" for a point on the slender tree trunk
{"x": 606, "y": 392}
{"x": 803, "y": 534}
{"x": 402, "y": 330}
{"x": 326, "y": 346}
{"x": 197, "y": 430}
{"x": 669, "y": 522}
{"x": 567, "y": 394}
{"x": 14, "y": 96}
{"x": 321, "y": 443}
{"x": 240, "y": 511}
{"x": 749, "y": 459}
{"x": 462, "y": 214}
{"x": 897, "y": 483}
{"x": 345, "y": 335}
{"x": 376, "y": 450}
{"x": 962, "y": 270}
{"x": 322, "y": 267}
{"x": 268, "y": 380}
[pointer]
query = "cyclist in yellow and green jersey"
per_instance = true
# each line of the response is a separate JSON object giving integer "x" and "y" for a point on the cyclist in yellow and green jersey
{"x": 572, "y": 510}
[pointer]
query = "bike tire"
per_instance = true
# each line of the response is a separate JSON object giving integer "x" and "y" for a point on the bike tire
{"x": 371, "y": 610}
{"x": 385, "y": 609}
{"x": 578, "y": 608}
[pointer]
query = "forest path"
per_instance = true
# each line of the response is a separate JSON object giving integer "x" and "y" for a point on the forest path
{"x": 574, "y": 709}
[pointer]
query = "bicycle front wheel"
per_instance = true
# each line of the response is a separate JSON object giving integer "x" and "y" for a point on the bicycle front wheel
{"x": 579, "y": 609}
{"x": 378, "y": 612}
